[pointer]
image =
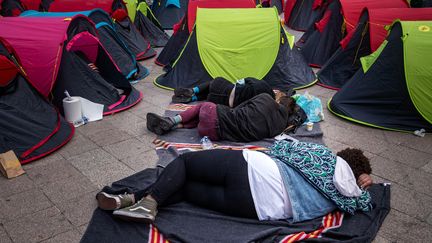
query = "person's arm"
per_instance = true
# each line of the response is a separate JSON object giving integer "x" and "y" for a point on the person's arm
{"x": 364, "y": 181}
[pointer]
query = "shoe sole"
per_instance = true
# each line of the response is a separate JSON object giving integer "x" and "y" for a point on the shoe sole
{"x": 134, "y": 219}
{"x": 181, "y": 99}
{"x": 157, "y": 125}
{"x": 183, "y": 92}
{"x": 106, "y": 202}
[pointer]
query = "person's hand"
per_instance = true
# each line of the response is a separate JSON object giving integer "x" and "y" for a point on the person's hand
{"x": 364, "y": 181}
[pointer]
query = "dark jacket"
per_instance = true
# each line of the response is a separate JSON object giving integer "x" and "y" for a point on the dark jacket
{"x": 255, "y": 119}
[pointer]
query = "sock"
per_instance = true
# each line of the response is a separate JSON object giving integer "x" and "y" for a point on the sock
{"x": 194, "y": 98}
{"x": 196, "y": 90}
{"x": 176, "y": 119}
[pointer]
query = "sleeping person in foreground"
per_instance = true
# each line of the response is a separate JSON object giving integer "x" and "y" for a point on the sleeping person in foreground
{"x": 294, "y": 181}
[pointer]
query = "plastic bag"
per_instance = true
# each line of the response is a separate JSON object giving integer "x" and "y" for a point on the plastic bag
{"x": 311, "y": 105}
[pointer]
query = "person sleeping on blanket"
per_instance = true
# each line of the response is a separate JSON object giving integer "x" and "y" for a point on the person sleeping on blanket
{"x": 254, "y": 119}
{"x": 294, "y": 181}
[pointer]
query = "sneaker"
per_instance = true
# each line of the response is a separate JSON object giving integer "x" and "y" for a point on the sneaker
{"x": 187, "y": 92}
{"x": 159, "y": 124}
{"x": 143, "y": 211}
{"x": 112, "y": 202}
{"x": 181, "y": 99}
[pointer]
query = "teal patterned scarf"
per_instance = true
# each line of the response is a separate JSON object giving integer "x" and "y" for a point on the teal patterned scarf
{"x": 317, "y": 164}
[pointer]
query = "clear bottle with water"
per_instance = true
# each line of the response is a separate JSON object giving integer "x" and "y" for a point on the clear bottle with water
{"x": 206, "y": 143}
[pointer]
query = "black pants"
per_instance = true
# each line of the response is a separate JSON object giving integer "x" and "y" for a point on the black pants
{"x": 219, "y": 89}
{"x": 213, "y": 179}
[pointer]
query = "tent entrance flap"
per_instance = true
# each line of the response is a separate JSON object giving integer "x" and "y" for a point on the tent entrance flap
{"x": 86, "y": 43}
{"x": 8, "y": 71}
{"x": 418, "y": 71}
{"x": 252, "y": 46}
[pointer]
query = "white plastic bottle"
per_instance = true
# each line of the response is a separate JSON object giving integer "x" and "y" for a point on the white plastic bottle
{"x": 206, "y": 143}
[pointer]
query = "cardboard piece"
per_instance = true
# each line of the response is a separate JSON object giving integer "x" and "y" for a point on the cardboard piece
{"x": 10, "y": 166}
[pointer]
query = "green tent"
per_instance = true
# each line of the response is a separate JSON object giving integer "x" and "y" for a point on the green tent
{"x": 393, "y": 90}
{"x": 239, "y": 43}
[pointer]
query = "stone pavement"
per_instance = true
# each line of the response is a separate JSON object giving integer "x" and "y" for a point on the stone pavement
{"x": 54, "y": 200}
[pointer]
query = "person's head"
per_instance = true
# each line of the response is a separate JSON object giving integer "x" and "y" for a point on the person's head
{"x": 358, "y": 162}
{"x": 286, "y": 101}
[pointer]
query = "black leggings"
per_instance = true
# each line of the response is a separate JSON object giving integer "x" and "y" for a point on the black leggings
{"x": 214, "y": 179}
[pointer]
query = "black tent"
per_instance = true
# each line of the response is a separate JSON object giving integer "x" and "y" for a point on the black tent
{"x": 63, "y": 50}
{"x": 322, "y": 39}
{"x": 286, "y": 70}
{"x": 110, "y": 39}
{"x": 155, "y": 35}
{"x": 301, "y": 14}
{"x": 366, "y": 38}
{"x": 134, "y": 39}
{"x": 393, "y": 90}
{"x": 169, "y": 12}
{"x": 147, "y": 24}
{"x": 29, "y": 126}
{"x": 175, "y": 44}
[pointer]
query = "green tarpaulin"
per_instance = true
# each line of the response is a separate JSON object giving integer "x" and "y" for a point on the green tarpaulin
{"x": 238, "y": 43}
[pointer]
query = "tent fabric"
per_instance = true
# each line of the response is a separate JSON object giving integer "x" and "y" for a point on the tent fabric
{"x": 418, "y": 73}
{"x": 379, "y": 18}
{"x": 289, "y": 70}
{"x": 115, "y": 45}
{"x": 231, "y": 57}
{"x": 155, "y": 35}
{"x": 183, "y": 222}
{"x": 8, "y": 71}
{"x": 369, "y": 33}
{"x": 42, "y": 73}
{"x": 53, "y": 69}
{"x": 169, "y": 14}
{"x": 351, "y": 9}
{"x": 30, "y": 126}
{"x": 81, "y": 5}
{"x": 301, "y": 14}
{"x": 318, "y": 47}
{"x": 11, "y": 8}
{"x": 150, "y": 29}
{"x": 185, "y": 26}
{"x": 381, "y": 97}
{"x": 195, "y": 4}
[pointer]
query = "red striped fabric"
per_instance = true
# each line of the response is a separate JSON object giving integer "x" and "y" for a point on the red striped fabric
{"x": 330, "y": 221}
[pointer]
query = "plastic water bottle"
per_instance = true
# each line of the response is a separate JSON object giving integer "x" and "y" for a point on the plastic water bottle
{"x": 206, "y": 143}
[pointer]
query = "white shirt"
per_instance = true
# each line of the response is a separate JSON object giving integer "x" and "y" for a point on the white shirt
{"x": 268, "y": 191}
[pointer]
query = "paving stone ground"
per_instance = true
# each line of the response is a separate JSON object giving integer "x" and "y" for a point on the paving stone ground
{"x": 54, "y": 200}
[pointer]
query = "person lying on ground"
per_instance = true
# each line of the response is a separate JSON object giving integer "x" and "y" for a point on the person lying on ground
{"x": 303, "y": 181}
{"x": 255, "y": 119}
{"x": 223, "y": 92}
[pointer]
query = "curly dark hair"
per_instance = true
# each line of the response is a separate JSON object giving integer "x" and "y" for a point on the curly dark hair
{"x": 358, "y": 162}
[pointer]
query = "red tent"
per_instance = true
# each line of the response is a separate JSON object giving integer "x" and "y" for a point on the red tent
{"x": 39, "y": 51}
{"x": 351, "y": 9}
{"x": 379, "y": 18}
{"x": 55, "y": 53}
{"x": 194, "y": 4}
{"x": 82, "y": 5}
